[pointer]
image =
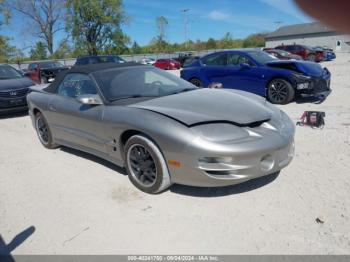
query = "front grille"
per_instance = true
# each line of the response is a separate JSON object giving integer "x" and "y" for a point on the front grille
{"x": 320, "y": 85}
{"x": 14, "y": 93}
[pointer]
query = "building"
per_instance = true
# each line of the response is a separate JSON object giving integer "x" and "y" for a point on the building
{"x": 312, "y": 34}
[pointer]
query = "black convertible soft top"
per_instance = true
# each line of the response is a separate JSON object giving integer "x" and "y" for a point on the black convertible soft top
{"x": 87, "y": 69}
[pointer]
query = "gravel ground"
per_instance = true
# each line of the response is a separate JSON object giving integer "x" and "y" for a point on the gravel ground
{"x": 73, "y": 203}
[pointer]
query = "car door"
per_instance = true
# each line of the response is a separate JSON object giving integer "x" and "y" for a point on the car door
{"x": 244, "y": 74}
{"x": 214, "y": 69}
{"x": 73, "y": 122}
{"x": 33, "y": 72}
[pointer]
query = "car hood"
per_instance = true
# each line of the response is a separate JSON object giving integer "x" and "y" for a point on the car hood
{"x": 18, "y": 83}
{"x": 211, "y": 105}
{"x": 308, "y": 68}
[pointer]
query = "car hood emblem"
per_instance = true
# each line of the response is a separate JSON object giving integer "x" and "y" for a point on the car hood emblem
{"x": 13, "y": 93}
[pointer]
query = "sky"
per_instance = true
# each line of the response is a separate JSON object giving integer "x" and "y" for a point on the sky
{"x": 207, "y": 18}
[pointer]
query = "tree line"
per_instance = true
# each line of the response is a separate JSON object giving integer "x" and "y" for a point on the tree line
{"x": 93, "y": 27}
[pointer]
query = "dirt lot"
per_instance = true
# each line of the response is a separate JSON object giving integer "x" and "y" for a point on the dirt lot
{"x": 79, "y": 204}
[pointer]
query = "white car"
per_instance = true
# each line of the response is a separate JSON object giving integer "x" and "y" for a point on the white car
{"x": 147, "y": 61}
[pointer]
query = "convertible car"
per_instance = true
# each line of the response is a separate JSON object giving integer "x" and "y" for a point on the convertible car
{"x": 163, "y": 129}
{"x": 257, "y": 72}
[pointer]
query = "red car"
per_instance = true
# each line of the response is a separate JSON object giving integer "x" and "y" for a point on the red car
{"x": 281, "y": 54}
{"x": 167, "y": 64}
{"x": 306, "y": 52}
{"x": 45, "y": 71}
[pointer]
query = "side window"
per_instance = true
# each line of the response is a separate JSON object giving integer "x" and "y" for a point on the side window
{"x": 32, "y": 67}
{"x": 232, "y": 59}
{"x": 215, "y": 60}
{"x": 74, "y": 85}
{"x": 236, "y": 59}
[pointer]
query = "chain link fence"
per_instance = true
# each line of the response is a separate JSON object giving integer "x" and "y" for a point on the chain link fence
{"x": 128, "y": 58}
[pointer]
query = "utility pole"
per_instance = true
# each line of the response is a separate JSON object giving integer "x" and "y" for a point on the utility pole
{"x": 185, "y": 12}
{"x": 278, "y": 23}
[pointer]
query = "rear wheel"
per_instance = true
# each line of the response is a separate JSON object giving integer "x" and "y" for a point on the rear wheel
{"x": 146, "y": 166}
{"x": 280, "y": 91}
{"x": 196, "y": 82}
{"x": 43, "y": 131}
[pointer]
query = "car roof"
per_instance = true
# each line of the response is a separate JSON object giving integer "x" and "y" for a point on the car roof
{"x": 90, "y": 68}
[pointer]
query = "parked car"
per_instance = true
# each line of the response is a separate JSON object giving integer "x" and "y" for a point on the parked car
{"x": 282, "y": 55}
{"x": 257, "y": 72}
{"x": 182, "y": 57}
{"x": 45, "y": 71}
{"x": 147, "y": 61}
{"x": 96, "y": 59}
{"x": 306, "y": 52}
{"x": 161, "y": 128}
{"x": 167, "y": 64}
{"x": 13, "y": 89}
{"x": 328, "y": 53}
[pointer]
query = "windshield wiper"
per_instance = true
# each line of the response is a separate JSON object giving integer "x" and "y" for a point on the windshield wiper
{"x": 127, "y": 97}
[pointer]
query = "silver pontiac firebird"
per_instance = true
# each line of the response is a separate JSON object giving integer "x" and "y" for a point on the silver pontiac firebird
{"x": 162, "y": 129}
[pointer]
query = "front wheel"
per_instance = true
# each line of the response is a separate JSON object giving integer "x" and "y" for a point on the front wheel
{"x": 145, "y": 165}
{"x": 43, "y": 131}
{"x": 280, "y": 91}
{"x": 196, "y": 82}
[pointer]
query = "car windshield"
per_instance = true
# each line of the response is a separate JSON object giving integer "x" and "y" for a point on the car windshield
{"x": 261, "y": 56}
{"x": 122, "y": 83}
{"x": 115, "y": 59}
{"x": 282, "y": 52}
{"x": 51, "y": 64}
{"x": 7, "y": 72}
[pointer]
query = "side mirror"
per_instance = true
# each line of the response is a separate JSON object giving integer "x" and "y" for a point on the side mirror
{"x": 245, "y": 66}
{"x": 89, "y": 100}
{"x": 215, "y": 85}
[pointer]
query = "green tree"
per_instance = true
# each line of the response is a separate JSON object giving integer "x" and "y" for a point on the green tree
{"x": 135, "y": 48}
{"x": 6, "y": 50}
{"x": 211, "y": 44}
{"x": 63, "y": 51}
{"x": 38, "y": 52}
{"x": 95, "y": 25}
{"x": 255, "y": 40}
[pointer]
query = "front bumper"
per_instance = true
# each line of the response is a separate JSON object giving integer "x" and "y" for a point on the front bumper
{"x": 318, "y": 87}
{"x": 11, "y": 105}
{"x": 257, "y": 165}
{"x": 249, "y": 160}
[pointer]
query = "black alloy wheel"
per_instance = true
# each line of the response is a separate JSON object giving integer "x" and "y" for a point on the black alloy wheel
{"x": 280, "y": 91}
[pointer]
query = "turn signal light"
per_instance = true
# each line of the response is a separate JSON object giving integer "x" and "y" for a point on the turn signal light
{"x": 174, "y": 163}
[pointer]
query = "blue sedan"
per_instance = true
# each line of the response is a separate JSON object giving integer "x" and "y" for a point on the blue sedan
{"x": 255, "y": 71}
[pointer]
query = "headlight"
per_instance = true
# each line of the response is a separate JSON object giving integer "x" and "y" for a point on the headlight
{"x": 301, "y": 77}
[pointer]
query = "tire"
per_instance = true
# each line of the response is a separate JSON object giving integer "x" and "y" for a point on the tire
{"x": 43, "y": 131}
{"x": 280, "y": 91}
{"x": 196, "y": 82}
{"x": 145, "y": 165}
{"x": 311, "y": 57}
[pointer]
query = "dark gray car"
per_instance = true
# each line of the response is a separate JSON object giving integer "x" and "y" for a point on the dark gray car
{"x": 13, "y": 89}
{"x": 161, "y": 128}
